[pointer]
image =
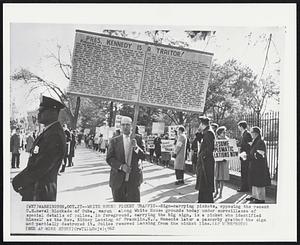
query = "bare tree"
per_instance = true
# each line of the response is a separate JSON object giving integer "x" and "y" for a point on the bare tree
{"x": 36, "y": 82}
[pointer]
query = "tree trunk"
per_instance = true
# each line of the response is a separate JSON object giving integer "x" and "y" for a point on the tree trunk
{"x": 111, "y": 114}
{"x": 76, "y": 114}
{"x": 180, "y": 117}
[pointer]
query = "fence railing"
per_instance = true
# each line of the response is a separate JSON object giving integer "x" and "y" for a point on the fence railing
{"x": 269, "y": 124}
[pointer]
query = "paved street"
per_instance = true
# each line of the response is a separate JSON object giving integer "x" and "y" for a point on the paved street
{"x": 87, "y": 181}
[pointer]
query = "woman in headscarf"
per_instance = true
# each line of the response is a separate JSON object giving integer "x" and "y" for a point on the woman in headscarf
{"x": 259, "y": 175}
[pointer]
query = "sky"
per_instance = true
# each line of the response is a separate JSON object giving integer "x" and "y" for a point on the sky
{"x": 31, "y": 43}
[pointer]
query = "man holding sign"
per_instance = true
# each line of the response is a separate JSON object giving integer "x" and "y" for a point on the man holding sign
{"x": 205, "y": 163}
{"x": 123, "y": 189}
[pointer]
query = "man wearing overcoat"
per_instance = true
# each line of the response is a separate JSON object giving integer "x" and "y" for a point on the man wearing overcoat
{"x": 245, "y": 147}
{"x": 117, "y": 157}
{"x": 205, "y": 163}
{"x": 15, "y": 149}
{"x": 38, "y": 181}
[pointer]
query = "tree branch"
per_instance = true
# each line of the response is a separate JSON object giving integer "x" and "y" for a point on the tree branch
{"x": 266, "y": 58}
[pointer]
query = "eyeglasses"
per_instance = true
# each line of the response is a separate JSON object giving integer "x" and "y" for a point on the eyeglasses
{"x": 126, "y": 125}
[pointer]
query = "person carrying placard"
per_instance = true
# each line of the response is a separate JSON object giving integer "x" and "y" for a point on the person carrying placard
{"x": 117, "y": 158}
{"x": 221, "y": 167}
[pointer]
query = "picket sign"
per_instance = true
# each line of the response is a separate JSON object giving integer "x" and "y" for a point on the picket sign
{"x": 96, "y": 73}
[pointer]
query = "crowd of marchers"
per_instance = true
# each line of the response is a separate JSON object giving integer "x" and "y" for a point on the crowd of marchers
{"x": 52, "y": 150}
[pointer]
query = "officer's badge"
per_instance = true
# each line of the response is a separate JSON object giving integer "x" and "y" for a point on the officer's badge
{"x": 36, "y": 149}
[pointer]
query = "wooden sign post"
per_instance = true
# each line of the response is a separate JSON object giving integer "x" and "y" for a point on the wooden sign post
{"x": 139, "y": 73}
{"x": 136, "y": 113}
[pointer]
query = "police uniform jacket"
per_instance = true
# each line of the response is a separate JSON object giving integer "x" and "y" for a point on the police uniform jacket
{"x": 38, "y": 181}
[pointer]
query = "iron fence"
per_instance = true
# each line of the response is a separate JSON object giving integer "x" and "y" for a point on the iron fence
{"x": 269, "y": 124}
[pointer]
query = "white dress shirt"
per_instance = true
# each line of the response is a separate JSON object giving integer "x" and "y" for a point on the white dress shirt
{"x": 126, "y": 143}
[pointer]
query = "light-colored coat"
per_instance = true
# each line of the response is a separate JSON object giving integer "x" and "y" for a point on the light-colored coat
{"x": 180, "y": 151}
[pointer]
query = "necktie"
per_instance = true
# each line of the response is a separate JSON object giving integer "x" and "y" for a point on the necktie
{"x": 126, "y": 146}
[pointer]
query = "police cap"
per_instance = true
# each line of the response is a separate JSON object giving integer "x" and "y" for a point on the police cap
{"x": 50, "y": 103}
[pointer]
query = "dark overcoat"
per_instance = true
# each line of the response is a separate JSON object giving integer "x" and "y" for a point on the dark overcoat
{"x": 38, "y": 181}
{"x": 116, "y": 157}
{"x": 245, "y": 144}
{"x": 72, "y": 145}
{"x": 259, "y": 174}
{"x": 206, "y": 162}
{"x": 157, "y": 146}
{"x": 15, "y": 141}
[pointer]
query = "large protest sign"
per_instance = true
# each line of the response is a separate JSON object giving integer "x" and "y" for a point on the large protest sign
{"x": 225, "y": 149}
{"x": 111, "y": 132}
{"x": 167, "y": 145}
{"x": 118, "y": 121}
{"x": 139, "y": 72}
{"x": 171, "y": 131}
{"x": 142, "y": 130}
{"x": 150, "y": 142}
{"x": 32, "y": 120}
{"x": 97, "y": 131}
{"x": 104, "y": 130}
{"x": 158, "y": 127}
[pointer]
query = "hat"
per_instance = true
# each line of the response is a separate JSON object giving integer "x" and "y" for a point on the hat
{"x": 50, "y": 103}
{"x": 214, "y": 125}
{"x": 204, "y": 120}
{"x": 220, "y": 130}
{"x": 256, "y": 129}
{"x": 126, "y": 120}
{"x": 181, "y": 128}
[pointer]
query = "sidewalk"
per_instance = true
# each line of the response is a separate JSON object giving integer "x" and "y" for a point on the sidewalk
{"x": 88, "y": 181}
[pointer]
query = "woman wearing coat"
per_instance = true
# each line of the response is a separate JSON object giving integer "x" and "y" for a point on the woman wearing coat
{"x": 29, "y": 142}
{"x": 221, "y": 167}
{"x": 179, "y": 156}
{"x": 259, "y": 175}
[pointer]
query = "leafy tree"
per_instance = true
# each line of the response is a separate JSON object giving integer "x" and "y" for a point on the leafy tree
{"x": 228, "y": 85}
{"x": 146, "y": 115}
{"x": 93, "y": 113}
{"x": 261, "y": 91}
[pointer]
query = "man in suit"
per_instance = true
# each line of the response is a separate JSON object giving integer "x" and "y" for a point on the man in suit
{"x": 205, "y": 163}
{"x": 117, "y": 157}
{"x": 245, "y": 147}
{"x": 38, "y": 181}
{"x": 15, "y": 149}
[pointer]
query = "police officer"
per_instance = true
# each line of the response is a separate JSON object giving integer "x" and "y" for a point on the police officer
{"x": 38, "y": 181}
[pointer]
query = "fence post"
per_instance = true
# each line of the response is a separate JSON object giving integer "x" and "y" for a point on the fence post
{"x": 257, "y": 111}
